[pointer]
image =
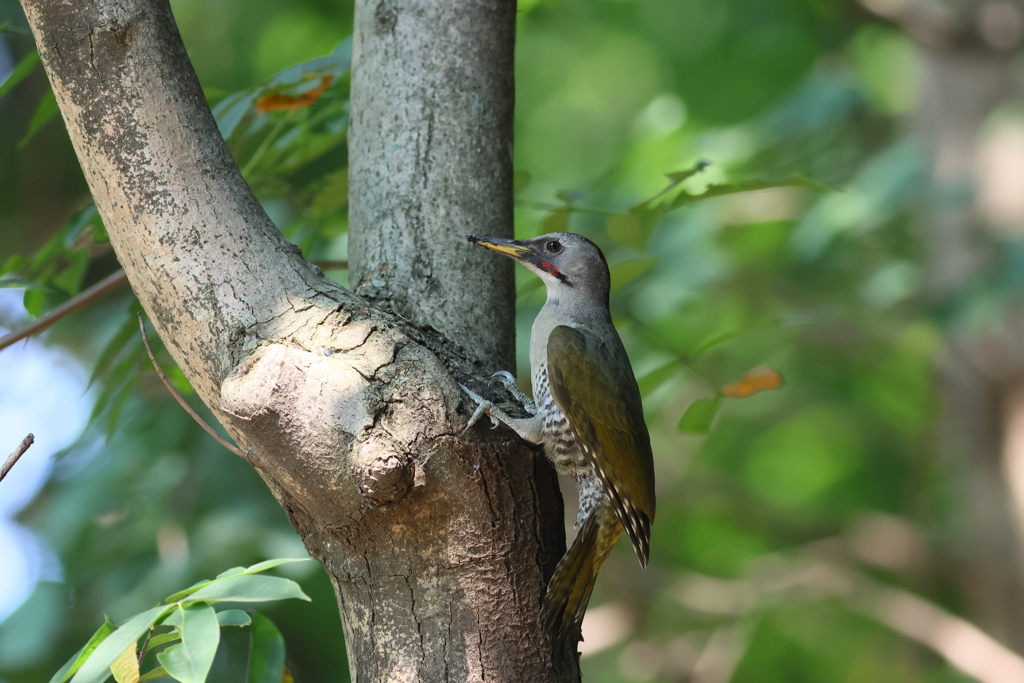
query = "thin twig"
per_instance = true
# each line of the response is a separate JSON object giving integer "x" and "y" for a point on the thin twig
{"x": 16, "y": 455}
{"x": 174, "y": 392}
{"x": 145, "y": 644}
{"x": 101, "y": 288}
{"x": 75, "y": 303}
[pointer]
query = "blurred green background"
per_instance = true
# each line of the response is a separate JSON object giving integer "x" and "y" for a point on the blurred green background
{"x": 863, "y": 523}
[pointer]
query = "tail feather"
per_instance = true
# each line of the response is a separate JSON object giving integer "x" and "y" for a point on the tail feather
{"x": 569, "y": 589}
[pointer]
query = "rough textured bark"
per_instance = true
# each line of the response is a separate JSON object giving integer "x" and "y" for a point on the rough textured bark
{"x": 431, "y": 162}
{"x": 438, "y": 545}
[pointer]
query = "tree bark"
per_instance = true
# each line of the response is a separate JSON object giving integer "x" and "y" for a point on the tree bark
{"x": 431, "y": 162}
{"x": 438, "y": 545}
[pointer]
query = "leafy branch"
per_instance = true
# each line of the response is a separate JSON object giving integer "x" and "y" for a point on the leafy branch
{"x": 634, "y": 227}
{"x": 189, "y": 632}
{"x": 700, "y": 414}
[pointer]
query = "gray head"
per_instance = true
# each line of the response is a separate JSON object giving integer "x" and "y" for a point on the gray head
{"x": 572, "y": 267}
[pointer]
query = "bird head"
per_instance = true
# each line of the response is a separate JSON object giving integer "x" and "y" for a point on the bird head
{"x": 569, "y": 264}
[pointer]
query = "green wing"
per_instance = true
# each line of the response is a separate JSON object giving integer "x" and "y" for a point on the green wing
{"x": 592, "y": 382}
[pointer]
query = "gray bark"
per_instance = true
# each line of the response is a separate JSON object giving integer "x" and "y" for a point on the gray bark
{"x": 438, "y": 545}
{"x": 431, "y": 162}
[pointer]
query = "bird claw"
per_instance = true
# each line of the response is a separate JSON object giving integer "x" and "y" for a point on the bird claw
{"x": 504, "y": 376}
{"x": 483, "y": 407}
{"x": 510, "y": 384}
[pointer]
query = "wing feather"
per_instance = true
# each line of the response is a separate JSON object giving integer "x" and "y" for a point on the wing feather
{"x": 592, "y": 382}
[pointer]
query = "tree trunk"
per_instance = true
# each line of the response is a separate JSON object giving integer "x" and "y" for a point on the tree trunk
{"x": 438, "y": 545}
{"x": 965, "y": 81}
{"x": 431, "y": 162}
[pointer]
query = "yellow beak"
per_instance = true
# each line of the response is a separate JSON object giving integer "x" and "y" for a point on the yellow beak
{"x": 510, "y": 248}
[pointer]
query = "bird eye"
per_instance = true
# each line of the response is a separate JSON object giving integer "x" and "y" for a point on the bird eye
{"x": 553, "y": 246}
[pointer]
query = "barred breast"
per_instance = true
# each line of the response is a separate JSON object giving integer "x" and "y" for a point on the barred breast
{"x": 561, "y": 449}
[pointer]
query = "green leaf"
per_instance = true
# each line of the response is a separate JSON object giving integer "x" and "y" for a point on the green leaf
{"x": 655, "y": 378}
{"x": 70, "y": 278}
{"x": 338, "y": 62}
{"x": 34, "y": 301}
{"x": 97, "y": 667}
{"x": 626, "y": 272}
{"x": 249, "y": 589}
{"x": 276, "y": 562}
{"x": 175, "y": 597}
{"x": 190, "y": 661}
{"x": 698, "y": 417}
{"x": 232, "y": 110}
{"x": 267, "y": 656}
{"x": 129, "y": 330}
{"x": 156, "y": 673}
{"x": 26, "y": 66}
{"x": 13, "y": 263}
{"x": 178, "y": 379}
{"x": 164, "y": 638}
{"x": 75, "y": 663}
{"x": 65, "y": 672}
{"x": 121, "y": 396}
{"x": 117, "y": 388}
{"x": 794, "y": 180}
{"x": 44, "y": 112}
{"x": 234, "y": 571}
{"x": 236, "y": 115}
{"x": 86, "y": 219}
{"x": 233, "y": 617}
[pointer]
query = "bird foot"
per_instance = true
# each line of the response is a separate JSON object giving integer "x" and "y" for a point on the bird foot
{"x": 510, "y": 384}
{"x": 483, "y": 407}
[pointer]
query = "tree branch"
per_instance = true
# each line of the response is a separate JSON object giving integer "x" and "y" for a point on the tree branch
{"x": 16, "y": 455}
{"x": 75, "y": 303}
{"x": 180, "y": 399}
{"x": 87, "y": 297}
{"x": 438, "y": 544}
{"x": 430, "y": 162}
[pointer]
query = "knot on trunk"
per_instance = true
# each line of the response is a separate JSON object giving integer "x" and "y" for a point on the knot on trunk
{"x": 387, "y": 480}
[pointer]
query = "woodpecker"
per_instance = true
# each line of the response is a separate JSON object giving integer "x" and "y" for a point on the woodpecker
{"x": 586, "y": 412}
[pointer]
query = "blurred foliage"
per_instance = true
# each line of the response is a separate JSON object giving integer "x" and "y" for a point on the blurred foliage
{"x": 628, "y": 113}
{"x": 184, "y": 634}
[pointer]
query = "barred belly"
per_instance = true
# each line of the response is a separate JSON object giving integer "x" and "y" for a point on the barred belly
{"x": 561, "y": 449}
